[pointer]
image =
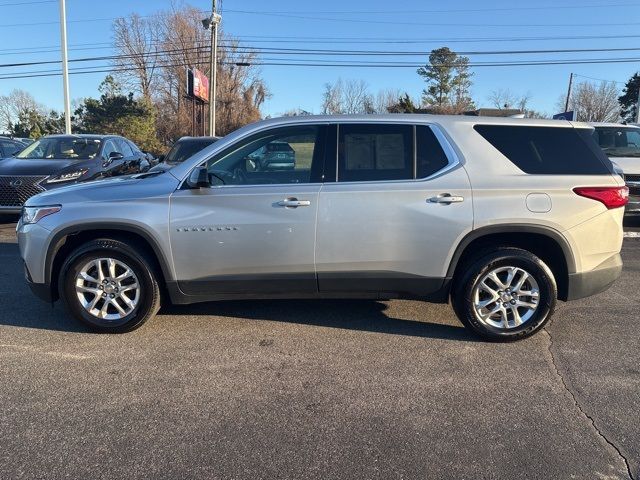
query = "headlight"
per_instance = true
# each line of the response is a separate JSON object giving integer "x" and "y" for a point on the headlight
{"x": 68, "y": 177}
{"x": 34, "y": 214}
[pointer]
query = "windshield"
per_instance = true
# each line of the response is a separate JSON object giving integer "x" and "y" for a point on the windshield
{"x": 62, "y": 148}
{"x": 183, "y": 150}
{"x": 619, "y": 141}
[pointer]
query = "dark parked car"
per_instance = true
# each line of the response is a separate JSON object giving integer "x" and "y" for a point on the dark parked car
{"x": 181, "y": 150}
{"x": 274, "y": 156}
{"x": 10, "y": 146}
{"x": 59, "y": 160}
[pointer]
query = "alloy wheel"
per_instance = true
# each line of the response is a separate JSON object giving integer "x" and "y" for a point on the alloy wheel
{"x": 506, "y": 297}
{"x": 108, "y": 289}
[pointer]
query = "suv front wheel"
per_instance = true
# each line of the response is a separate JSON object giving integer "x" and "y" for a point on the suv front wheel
{"x": 506, "y": 294}
{"x": 109, "y": 286}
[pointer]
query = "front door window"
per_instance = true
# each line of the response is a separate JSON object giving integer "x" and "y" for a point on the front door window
{"x": 289, "y": 155}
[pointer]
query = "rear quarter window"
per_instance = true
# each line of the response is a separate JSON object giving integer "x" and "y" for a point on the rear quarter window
{"x": 548, "y": 150}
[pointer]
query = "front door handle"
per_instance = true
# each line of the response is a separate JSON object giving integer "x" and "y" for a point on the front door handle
{"x": 293, "y": 203}
{"x": 446, "y": 199}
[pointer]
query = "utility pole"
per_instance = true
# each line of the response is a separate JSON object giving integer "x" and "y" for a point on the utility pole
{"x": 566, "y": 105}
{"x": 212, "y": 23}
{"x": 65, "y": 67}
{"x": 638, "y": 108}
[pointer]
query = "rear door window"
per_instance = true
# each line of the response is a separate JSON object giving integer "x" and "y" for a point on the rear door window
{"x": 430, "y": 157}
{"x": 375, "y": 152}
{"x": 548, "y": 150}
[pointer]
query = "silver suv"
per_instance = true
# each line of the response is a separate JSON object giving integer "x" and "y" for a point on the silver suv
{"x": 621, "y": 143}
{"x": 501, "y": 217}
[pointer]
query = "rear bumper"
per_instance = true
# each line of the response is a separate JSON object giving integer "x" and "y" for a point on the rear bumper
{"x": 585, "y": 284}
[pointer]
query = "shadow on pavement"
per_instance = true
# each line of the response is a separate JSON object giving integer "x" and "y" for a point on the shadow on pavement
{"x": 20, "y": 308}
{"x": 362, "y": 315}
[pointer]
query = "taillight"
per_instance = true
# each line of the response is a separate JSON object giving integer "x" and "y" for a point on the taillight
{"x": 610, "y": 197}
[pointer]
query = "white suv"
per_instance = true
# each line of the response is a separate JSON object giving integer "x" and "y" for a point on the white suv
{"x": 500, "y": 216}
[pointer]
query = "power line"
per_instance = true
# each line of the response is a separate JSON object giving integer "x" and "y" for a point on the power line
{"x": 379, "y": 22}
{"x": 599, "y": 79}
{"x": 277, "y": 62}
{"x": 311, "y": 52}
{"x": 156, "y": 54}
{"x": 26, "y": 3}
{"x": 460, "y": 10}
{"x": 339, "y": 40}
{"x": 430, "y": 24}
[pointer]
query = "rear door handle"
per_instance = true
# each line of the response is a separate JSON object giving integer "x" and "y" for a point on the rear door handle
{"x": 446, "y": 199}
{"x": 293, "y": 203}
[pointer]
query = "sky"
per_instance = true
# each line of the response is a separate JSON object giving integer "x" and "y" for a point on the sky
{"x": 30, "y": 32}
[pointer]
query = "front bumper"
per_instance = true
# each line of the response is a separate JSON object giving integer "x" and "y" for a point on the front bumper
{"x": 40, "y": 290}
{"x": 585, "y": 284}
{"x": 10, "y": 210}
{"x": 633, "y": 207}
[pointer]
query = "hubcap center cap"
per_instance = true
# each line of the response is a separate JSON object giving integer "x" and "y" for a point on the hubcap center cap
{"x": 505, "y": 297}
{"x": 109, "y": 288}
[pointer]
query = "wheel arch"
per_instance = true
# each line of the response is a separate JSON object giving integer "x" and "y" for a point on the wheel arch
{"x": 68, "y": 239}
{"x": 545, "y": 242}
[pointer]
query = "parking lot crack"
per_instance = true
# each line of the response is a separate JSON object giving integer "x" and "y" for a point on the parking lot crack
{"x": 589, "y": 418}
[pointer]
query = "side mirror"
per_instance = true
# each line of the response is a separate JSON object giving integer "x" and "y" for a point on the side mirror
{"x": 160, "y": 158}
{"x": 199, "y": 178}
{"x": 115, "y": 156}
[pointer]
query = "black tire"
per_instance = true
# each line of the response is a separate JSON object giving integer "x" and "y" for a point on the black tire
{"x": 474, "y": 271}
{"x": 142, "y": 266}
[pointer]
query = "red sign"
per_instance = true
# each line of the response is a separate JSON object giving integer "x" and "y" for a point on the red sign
{"x": 200, "y": 85}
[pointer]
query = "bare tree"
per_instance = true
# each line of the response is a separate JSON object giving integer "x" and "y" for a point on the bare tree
{"x": 385, "y": 99}
{"x": 136, "y": 39}
{"x": 159, "y": 49}
{"x": 353, "y": 97}
{"x": 593, "y": 102}
{"x": 506, "y": 99}
{"x": 296, "y": 112}
{"x": 15, "y": 105}
{"x": 332, "y": 98}
{"x": 356, "y": 97}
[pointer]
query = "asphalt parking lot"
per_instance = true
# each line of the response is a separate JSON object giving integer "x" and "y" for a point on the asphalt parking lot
{"x": 318, "y": 389}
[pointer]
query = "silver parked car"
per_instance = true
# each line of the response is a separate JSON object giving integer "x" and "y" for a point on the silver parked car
{"x": 621, "y": 143}
{"x": 502, "y": 217}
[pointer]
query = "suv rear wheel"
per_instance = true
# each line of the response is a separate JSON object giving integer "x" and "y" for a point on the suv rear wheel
{"x": 506, "y": 294}
{"x": 109, "y": 286}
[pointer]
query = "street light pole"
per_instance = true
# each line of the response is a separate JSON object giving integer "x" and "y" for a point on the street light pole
{"x": 566, "y": 105}
{"x": 215, "y": 19}
{"x": 65, "y": 67}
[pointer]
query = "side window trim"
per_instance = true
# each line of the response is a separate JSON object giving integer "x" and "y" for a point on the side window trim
{"x": 415, "y": 152}
{"x": 451, "y": 154}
